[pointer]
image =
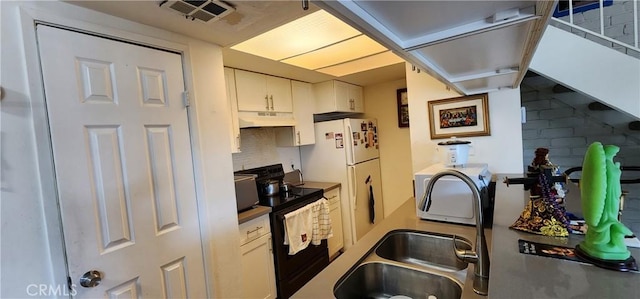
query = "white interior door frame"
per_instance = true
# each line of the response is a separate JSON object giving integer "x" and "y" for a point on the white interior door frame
{"x": 57, "y": 16}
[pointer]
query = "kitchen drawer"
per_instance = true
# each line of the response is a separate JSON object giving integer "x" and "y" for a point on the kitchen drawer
{"x": 254, "y": 229}
{"x": 333, "y": 196}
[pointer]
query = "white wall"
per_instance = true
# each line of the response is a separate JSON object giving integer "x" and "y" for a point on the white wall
{"x": 31, "y": 250}
{"x": 502, "y": 150}
{"x": 24, "y": 248}
{"x": 395, "y": 144}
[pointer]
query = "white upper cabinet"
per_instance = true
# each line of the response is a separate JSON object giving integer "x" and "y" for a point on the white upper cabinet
{"x": 259, "y": 92}
{"x": 304, "y": 105}
{"x": 337, "y": 96}
{"x": 233, "y": 106}
{"x": 473, "y": 46}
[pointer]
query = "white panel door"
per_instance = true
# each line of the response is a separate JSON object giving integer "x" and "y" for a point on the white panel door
{"x": 123, "y": 163}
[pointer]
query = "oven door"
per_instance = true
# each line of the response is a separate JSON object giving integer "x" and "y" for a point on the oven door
{"x": 293, "y": 271}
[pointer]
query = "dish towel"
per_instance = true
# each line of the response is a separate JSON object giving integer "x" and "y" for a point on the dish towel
{"x": 298, "y": 229}
{"x": 309, "y": 224}
{"x": 321, "y": 221}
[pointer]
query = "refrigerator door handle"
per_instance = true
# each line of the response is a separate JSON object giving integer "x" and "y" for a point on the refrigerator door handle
{"x": 352, "y": 152}
{"x": 353, "y": 186}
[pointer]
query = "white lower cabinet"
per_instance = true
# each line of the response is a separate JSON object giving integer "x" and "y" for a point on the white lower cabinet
{"x": 257, "y": 259}
{"x": 335, "y": 243}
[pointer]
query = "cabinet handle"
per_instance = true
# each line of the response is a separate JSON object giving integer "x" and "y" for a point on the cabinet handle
{"x": 238, "y": 141}
{"x": 254, "y": 230}
{"x": 298, "y": 135}
{"x": 352, "y": 105}
{"x": 266, "y": 97}
{"x": 271, "y": 98}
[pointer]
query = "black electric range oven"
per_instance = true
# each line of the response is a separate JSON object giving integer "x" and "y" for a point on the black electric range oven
{"x": 292, "y": 271}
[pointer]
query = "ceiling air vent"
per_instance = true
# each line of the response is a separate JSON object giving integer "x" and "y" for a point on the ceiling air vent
{"x": 207, "y": 11}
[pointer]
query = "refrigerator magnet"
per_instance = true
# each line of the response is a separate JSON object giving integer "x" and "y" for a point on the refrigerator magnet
{"x": 339, "y": 140}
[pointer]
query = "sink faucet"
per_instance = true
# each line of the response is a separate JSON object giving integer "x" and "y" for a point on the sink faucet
{"x": 479, "y": 256}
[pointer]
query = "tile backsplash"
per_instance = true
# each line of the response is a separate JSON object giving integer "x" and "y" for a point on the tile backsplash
{"x": 258, "y": 148}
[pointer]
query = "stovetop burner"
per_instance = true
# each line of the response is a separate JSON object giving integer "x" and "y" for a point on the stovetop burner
{"x": 286, "y": 199}
{"x": 282, "y": 200}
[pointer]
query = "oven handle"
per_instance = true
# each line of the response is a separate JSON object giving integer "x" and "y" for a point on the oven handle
{"x": 280, "y": 215}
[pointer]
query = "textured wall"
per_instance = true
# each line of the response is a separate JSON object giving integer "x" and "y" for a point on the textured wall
{"x": 617, "y": 21}
{"x": 562, "y": 123}
{"x": 258, "y": 148}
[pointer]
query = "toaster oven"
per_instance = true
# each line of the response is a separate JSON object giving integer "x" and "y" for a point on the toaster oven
{"x": 246, "y": 191}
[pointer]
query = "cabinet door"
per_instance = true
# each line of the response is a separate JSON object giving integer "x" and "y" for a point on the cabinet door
{"x": 335, "y": 243}
{"x": 252, "y": 91}
{"x": 230, "y": 80}
{"x": 279, "y": 92}
{"x": 342, "y": 96}
{"x": 356, "y": 97}
{"x": 258, "y": 269}
{"x": 303, "y": 108}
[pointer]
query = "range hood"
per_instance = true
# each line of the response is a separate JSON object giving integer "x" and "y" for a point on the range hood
{"x": 265, "y": 119}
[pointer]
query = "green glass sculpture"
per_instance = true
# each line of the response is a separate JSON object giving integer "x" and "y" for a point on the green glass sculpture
{"x": 600, "y": 191}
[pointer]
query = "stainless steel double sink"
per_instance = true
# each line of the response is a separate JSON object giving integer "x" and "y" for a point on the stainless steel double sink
{"x": 407, "y": 263}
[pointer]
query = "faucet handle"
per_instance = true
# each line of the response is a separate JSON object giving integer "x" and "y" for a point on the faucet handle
{"x": 465, "y": 255}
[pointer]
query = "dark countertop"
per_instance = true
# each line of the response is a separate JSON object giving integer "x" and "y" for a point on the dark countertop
{"x": 254, "y": 213}
{"x": 326, "y": 186}
{"x": 525, "y": 276}
{"x": 512, "y": 274}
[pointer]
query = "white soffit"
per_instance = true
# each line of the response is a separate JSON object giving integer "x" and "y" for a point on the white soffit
{"x": 461, "y": 43}
{"x": 487, "y": 84}
{"x": 478, "y": 54}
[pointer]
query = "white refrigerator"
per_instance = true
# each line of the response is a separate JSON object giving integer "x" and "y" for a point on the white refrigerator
{"x": 346, "y": 151}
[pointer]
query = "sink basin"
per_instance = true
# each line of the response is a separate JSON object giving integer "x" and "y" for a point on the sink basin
{"x": 422, "y": 248}
{"x": 381, "y": 280}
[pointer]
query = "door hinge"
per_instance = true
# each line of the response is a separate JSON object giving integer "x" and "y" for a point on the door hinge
{"x": 185, "y": 98}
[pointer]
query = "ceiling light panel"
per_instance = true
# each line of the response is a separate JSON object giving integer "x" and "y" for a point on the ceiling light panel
{"x": 363, "y": 64}
{"x": 309, "y": 33}
{"x": 344, "y": 51}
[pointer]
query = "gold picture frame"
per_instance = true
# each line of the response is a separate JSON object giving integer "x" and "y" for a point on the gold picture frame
{"x": 465, "y": 116}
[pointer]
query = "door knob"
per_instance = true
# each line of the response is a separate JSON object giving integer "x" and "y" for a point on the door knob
{"x": 91, "y": 279}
